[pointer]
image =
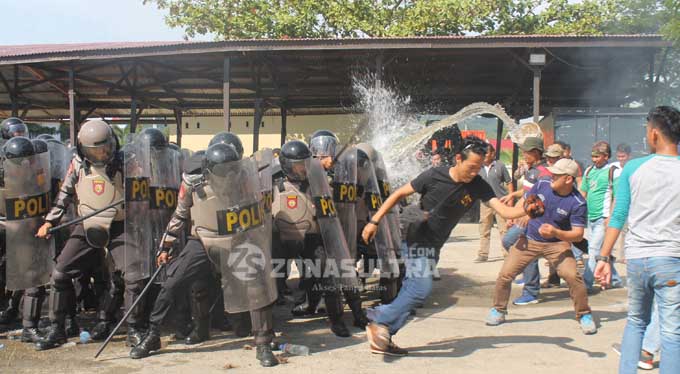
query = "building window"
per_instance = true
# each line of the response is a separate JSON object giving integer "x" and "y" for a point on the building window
{"x": 186, "y": 125}
{"x": 198, "y": 125}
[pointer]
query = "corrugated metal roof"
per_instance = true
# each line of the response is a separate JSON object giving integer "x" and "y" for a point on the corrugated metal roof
{"x": 56, "y": 52}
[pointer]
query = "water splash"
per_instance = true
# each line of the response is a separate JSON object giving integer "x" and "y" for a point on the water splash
{"x": 391, "y": 126}
{"x": 387, "y": 119}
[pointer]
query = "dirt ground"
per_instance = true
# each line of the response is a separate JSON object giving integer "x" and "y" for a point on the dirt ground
{"x": 447, "y": 335}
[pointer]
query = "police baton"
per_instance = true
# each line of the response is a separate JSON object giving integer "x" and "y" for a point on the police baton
{"x": 139, "y": 298}
{"x": 83, "y": 218}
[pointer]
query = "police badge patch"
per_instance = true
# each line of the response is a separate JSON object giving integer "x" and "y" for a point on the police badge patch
{"x": 98, "y": 187}
{"x": 292, "y": 202}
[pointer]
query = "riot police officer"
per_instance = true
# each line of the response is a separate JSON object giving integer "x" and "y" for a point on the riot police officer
{"x": 226, "y": 218}
{"x": 9, "y": 128}
{"x": 342, "y": 177}
{"x": 297, "y": 223}
{"x": 95, "y": 178}
{"x": 26, "y": 168}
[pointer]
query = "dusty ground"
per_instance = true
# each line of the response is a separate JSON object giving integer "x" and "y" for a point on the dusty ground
{"x": 447, "y": 335}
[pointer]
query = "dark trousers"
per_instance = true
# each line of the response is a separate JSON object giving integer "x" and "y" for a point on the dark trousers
{"x": 78, "y": 257}
{"x": 192, "y": 265}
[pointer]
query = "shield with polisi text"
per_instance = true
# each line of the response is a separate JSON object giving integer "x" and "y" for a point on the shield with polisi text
{"x": 27, "y": 201}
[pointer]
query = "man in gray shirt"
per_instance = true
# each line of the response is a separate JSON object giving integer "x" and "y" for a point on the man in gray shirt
{"x": 648, "y": 198}
{"x": 497, "y": 176}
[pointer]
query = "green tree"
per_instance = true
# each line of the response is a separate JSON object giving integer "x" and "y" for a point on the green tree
{"x": 374, "y": 18}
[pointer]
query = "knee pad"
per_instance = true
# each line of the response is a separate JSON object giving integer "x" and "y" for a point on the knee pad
{"x": 61, "y": 280}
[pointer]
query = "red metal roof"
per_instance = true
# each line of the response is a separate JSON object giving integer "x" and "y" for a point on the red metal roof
{"x": 51, "y": 52}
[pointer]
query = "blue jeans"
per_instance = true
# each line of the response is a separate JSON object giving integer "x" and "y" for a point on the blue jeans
{"x": 415, "y": 288}
{"x": 652, "y": 279}
{"x": 578, "y": 254}
{"x": 652, "y": 341}
{"x": 596, "y": 230}
{"x": 531, "y": 274}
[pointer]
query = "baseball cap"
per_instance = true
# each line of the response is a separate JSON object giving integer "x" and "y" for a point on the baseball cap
{"x": 554, "y": 150}
{"x": 565, "y": 166}
{"x": 532, "y": 142}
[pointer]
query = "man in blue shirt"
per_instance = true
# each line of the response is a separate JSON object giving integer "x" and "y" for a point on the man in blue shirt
{"x": 550, "y": 235}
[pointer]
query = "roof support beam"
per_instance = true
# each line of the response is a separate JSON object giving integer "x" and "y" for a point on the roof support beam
{"x": 226, "y": 98}
{"x": 73, "y": 121}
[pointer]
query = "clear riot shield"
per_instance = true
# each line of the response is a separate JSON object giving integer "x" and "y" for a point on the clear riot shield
{"x": 371, "y": 198}
{"x": 241, "y": 247}
{"x": 163, "y": 193}
{"x": 27, "y": 200}
{"x": 345, "y": 195}
{"x": 392, "y": 217}
{"x": 334, "y": 241}
{"x": 265, "y": 162}
{"x": 60, "y": 159}
{"x": 134, "y": 260}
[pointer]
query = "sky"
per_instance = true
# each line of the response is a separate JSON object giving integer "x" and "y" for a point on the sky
{"x": 83, "y": 21}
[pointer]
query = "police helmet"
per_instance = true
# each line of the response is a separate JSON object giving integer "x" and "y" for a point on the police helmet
{"x": 228, "y": 138}
{"x": 323, "y": 143}
{"x": 217, "y": 159}
{"x": 97, "y": 143}
{"x": 154, "y": 137}
{"x": 293, "y": 157}
{"x": 18, "y": 147}
{"x": 12, "y": 127}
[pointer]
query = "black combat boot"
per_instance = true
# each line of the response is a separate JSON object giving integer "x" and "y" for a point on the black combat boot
{"x": 10, "y": 314}
{"x": 151, "y": 342}
{"x": 135, "y": 335}
{"x": 54, "y": 337}
{"x": 102, "y": 330}
{"x": 360, "y": 319}
{"x": 334, "y": 308}
{"x": 241, "y": 323}
{"x": 266, "y": 356}
{"x": 200, "y": 313}
{"x": 33, "y": 300}
{"x": 200, "y": 333}
{"x": 30, "y": 335}
{"x": 72, "y": 329}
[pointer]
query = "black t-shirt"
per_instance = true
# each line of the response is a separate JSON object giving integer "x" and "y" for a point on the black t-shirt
{"x": 446, "y": 202}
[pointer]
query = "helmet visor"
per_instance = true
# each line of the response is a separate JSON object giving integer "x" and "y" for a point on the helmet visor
{"x": 294, "y": 169}
{"x": 17, "y": 129}
{"x": 99, "y": 154}
{"x": 228, "y": 170}
{"x": 323, "y": 146}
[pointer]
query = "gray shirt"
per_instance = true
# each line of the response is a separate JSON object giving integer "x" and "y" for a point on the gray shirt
{"x": 648, "y": 197}
{"x": 497, "y": 177}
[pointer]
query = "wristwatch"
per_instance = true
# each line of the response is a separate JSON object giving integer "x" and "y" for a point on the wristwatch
{"x": 606, "y": 259}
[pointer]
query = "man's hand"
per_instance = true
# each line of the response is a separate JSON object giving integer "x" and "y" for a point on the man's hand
{"x": 163, "y": 258}
{"x": 522, "y": 221}
{"x": 547, "y": 231}
{"x": 369, "y": 232}
{"x": 508, "y": 199}
{"x": 603, "y": 273}
{"x": 43, "y": 231}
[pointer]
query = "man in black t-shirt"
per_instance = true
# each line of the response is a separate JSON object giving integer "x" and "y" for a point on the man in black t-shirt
{"x": 447, "y": 193}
